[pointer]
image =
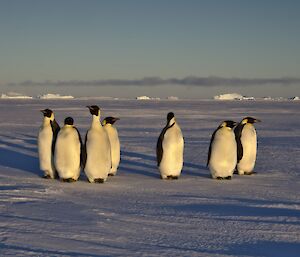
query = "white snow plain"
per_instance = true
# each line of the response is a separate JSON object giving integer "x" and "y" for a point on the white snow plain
{"x": 137, "y": 214}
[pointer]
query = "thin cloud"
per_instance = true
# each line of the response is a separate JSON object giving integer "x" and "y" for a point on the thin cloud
{"x": 157, "y": 81}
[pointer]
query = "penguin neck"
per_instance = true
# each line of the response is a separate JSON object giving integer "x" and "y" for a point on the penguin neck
{"x": 46, "y": 121}
{"x": 171, "y": 122}
{"x": 96, "y": 121}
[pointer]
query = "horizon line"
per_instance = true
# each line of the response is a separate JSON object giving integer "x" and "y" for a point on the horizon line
{"x": 209, "y": 81}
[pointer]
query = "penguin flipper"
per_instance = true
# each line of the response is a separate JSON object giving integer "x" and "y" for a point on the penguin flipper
{"x": 238, "y": 134}
{"x": 159, "y": 148}
{"x": 55, "y": 129}
{"x": 81, "y": 147}
{"x": 209, "y": 149}
{"x": 84, "y": 154}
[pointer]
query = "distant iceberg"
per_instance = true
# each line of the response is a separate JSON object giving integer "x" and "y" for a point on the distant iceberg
{"x": 172, "y": 98}
{"x": 295, "y": 98}
{"x": 147, "y": 98}
{"x": 55, "y": 96}
{"x": 232, "y": 96}
{"x": 14, "y": 95}
{"x": 143, "y": 97}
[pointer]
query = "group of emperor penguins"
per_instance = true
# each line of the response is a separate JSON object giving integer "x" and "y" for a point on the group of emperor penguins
{"x": 62, "y": 153}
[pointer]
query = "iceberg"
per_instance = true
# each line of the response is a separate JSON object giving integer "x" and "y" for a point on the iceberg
{"x": 55, "y": 96}
{"x": 231, "y": 96}
{"x": 172, "y": 98}
{"x": 147, "y": 98}
{"x": 14, "y": 95}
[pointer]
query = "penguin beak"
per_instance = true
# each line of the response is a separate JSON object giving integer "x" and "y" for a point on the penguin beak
{"x": 257, "y": 120}
{"x": 115, "y": 119}
{"x": 43, "y": 111}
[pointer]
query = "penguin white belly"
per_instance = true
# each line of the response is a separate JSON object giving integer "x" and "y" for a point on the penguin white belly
{"x": 98, "y": 162}
{"x": 67, "y": 154}
{"x": 45, "y": 138}
{"x": 249, "y": 143}
{"x": 223, "y": 156}
{"x": 172, "y": 159}
{"x": 115, "y": 148}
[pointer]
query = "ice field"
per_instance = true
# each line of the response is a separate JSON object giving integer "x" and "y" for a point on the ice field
{"x": 136, "y": 213}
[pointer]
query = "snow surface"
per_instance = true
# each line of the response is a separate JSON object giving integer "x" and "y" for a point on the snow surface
{"x": 136, "y": 213}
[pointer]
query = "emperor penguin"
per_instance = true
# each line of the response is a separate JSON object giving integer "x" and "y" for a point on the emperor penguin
{"x": 246, "y": 139}
{"x": 67, "y": 154}
{"x": 111, "y": 130}
{"x": 169, "y": 149}
{"x": 97, "y": 164}
{"x": 222, "y": 154}
{"x": 46, "y": 142}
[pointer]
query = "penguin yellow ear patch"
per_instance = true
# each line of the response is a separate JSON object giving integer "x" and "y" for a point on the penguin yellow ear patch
{"x": 103, "y": 122}
{"x": 244, "y": 121}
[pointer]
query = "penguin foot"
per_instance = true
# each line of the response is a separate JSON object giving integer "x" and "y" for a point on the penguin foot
{"x": 249, "y": 173}
{"x": 220, "y": 178}
{"x": 68, "y": 180}
{"x": 228, "y": 178}
{"x": 99, "y": 180}
{"x": 172, "y": 177}
{"x": 46, "y": 176}
{"x": 111, "y": 174}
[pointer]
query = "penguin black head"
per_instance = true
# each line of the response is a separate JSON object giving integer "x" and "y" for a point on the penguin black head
{"x": 47, "y": 113}
{"x": 94, "y": 110}
{"x": 109, "y": 120}
{"x": 250, "y": 120}
{"x": 69, "y": 121}
{"x": 170, "y": 116}
{"x": 228, "y": 123}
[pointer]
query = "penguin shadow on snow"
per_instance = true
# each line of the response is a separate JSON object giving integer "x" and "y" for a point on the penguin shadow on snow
{"x": 144, "y": 164}
{"x": 14, "y": 156}
{"x": 21, "y": 143}
{"x": 138, "y": 163}
{"x": 241, "y": 209}
{"x": 196, "y": 170}
{"x": 29, "y": 139}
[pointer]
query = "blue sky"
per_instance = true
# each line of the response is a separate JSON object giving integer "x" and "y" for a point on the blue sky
{"x": 71, "y": 47}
